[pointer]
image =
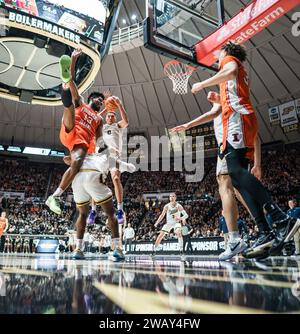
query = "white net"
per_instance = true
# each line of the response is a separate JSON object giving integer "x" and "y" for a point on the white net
{"x": 179, "y": 73}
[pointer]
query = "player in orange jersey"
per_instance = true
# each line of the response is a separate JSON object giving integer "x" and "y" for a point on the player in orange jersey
{"x": 239, "y": 131}
{"x": 81, "y": 125}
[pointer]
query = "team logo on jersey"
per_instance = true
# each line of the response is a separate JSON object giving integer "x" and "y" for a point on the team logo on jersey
{"x": 236, "y": 137}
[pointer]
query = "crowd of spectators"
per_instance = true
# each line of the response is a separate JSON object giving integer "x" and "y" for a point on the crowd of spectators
{"x": 29, "y": 215}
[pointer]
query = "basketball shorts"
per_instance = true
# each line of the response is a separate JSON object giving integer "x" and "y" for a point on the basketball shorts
{"x": 77, "y": 136}
{"x": 87, "y": 186}
{"x": 171, "y": 226}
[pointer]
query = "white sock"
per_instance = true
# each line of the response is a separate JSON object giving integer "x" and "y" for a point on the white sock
{"x": 234, "y": 235}
{"x": 120, "y": 206}
{"x": 79, "y": 243}
{"x": 58, "y": 192}
{"x": 115, "y": 242}
{"x": 94, "y": 207}
{"x": 180, "y": 241}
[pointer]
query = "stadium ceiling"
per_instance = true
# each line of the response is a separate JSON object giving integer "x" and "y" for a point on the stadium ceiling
{"x": 136, "y": 76}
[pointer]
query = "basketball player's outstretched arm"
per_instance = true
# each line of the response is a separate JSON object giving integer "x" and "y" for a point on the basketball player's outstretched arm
{"x": 229, "y": 72}
{"x": 205, "y": 118}
{"x": 124, "y": 122}
{"x": 162, "y": 215}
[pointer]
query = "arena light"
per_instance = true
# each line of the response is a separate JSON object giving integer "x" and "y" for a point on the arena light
{"x": 36, "y": 151}
{"x": 1, "y": 148}
{"x": 14, "y": 149}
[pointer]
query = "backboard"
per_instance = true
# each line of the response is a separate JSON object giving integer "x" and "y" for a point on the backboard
{"x": 175, "y": 26}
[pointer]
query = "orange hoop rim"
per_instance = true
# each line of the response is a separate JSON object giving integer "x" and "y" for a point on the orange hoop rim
{"x": 176, "y": 62}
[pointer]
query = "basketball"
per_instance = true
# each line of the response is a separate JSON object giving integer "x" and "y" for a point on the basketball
{"x": 110, "y": 104}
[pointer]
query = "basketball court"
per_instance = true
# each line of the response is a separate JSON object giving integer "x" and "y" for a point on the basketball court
{"x": 150, "y": 54}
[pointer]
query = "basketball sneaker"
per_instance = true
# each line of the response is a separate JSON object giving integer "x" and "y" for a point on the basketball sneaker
{"x": 64, "y": 66}
{"x": 53, "y": 204}
{"x": 261, "y": 245}
{"x": 91, "y": 217}
{"x": 234, "y": 247}
{"x": 284, "y": 231}
{"x": 120, "y": 217}
{"x": 117, "y": 255}
{"x": 78, "y": 254}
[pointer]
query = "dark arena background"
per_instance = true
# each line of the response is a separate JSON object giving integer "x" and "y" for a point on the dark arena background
{"x": 182, "y": 240}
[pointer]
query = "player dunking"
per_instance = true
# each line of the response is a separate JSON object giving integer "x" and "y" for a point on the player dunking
{"x": 81, "y": 125}
{"x": 113, "y": 139}
{"x": 239, "y": 131}
{"x": 175, "y": 215}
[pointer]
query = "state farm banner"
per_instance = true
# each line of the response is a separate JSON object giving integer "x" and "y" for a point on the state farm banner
{"x": 288, "y": 114}
{"x": 274, "y": 115}
{"x": 243, "y": 26}
{"x": 297, "y": 103}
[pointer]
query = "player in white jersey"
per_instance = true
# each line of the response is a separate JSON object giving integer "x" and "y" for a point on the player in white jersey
{"x": 236, "y": 244}
{"x": 113, "y": 140}
{"x": 175, "y": 215}
{"x": 89, "y": 185}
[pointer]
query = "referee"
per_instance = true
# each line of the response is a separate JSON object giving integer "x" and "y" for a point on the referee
{"x": 186, "y": 231}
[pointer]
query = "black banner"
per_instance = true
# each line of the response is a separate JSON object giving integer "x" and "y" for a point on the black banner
{"x": 201, "y": 246}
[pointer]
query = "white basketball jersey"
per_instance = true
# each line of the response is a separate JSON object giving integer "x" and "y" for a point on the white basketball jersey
{"x": 218, "y": 127}
{"x": 172, "y": 213}
{"x": 112, "y": 136}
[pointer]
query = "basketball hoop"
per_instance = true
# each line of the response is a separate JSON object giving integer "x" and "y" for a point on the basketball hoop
{"x": 179, "y": 73}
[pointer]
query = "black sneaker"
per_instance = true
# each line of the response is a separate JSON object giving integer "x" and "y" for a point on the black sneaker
{"x": 284, "y": 232}
{"x": 258, "y": 249}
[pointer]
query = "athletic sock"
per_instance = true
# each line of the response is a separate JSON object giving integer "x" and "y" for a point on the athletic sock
{"x": 58, "y": 192}
{"x": 180, "y": 241}
{"x": 115, "y": 242}
{"x": 234, "y": 235}
{"x": 120, "y": 206}
{"x": 94, "y": 207}
{"x": 79, "y": 243}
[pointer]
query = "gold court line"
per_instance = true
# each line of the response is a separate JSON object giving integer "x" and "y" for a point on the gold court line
{"x": 137, "y": 301}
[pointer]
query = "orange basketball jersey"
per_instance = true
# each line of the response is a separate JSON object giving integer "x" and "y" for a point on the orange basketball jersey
{"x": 2, "y": 225}
{"x": 238, "y": 116}
{"x": 86, "y": 123}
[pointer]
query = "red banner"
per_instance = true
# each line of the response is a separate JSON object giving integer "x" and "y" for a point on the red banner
{"x": 243, "y": 26}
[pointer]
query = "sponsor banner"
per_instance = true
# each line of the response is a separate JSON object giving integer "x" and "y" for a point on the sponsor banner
{"x": 288, "y": 114}
{"x": 247, "y": 23}
{"x": 274, "y": 115}
{"x": 52, "y": 18}
{"x": 201, "y": 246}
{"x": 297, "y": 103}
{"x": 12, "y": 194}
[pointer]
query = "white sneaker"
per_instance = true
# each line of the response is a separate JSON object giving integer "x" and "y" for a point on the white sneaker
{"x": 233, "y": 248}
